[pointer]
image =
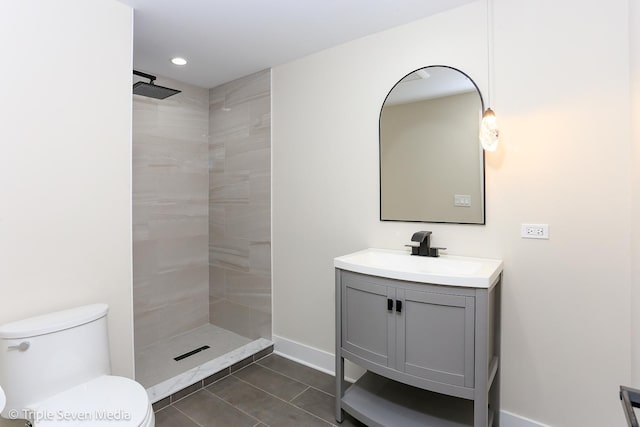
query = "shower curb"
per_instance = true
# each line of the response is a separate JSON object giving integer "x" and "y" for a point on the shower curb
{"x": 205, "y": 382}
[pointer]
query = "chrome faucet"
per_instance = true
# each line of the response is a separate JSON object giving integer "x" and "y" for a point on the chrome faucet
{"x": 422, "y": 245}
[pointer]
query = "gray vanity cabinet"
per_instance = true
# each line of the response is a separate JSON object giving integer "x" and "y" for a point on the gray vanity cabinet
{"x": 434, "y": 344}
{"x": 434, "y": 333}
{"x": 423, "y": 333}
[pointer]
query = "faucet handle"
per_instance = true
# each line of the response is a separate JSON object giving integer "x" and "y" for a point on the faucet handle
{"x": 435, "y": 251}
{"x": 415, "y": 248}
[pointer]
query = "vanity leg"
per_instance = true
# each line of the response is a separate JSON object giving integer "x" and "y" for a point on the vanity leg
{"x": 481, "y": 398}
{"x": 480, "y": 412}
{"x": 339, "y": 359}
{"x": 494, "y": 393}
{"x": 494, "y": 401}
{"x": 339, "y": 388}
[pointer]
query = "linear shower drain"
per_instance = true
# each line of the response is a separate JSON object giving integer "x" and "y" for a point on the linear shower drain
{"x": 191, "y": 353}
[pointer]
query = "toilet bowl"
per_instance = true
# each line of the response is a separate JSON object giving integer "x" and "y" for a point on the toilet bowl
{"x": 107, "y": 400}
{"x": 3, "y": 399}
{"x": 55, "y": 371}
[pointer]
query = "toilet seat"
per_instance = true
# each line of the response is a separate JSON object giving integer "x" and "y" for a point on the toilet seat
{"x": 104, "y": 401}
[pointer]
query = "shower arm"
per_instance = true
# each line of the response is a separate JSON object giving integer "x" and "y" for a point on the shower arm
{"x": 145, "y": 75}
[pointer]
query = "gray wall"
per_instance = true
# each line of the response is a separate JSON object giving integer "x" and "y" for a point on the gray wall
{"x": 170, "y": 213}
{"x": 239, "y": 205}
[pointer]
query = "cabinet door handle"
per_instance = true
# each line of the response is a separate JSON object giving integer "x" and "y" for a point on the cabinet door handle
{"x": 389, "y": 304}
{"x": 399, "y": 306}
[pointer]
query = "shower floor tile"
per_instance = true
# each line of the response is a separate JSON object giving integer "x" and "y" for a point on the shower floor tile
{"x": 155, "y": 364}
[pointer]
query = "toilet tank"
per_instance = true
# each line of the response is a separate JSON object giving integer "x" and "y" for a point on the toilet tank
{"x": 45, "y": 355}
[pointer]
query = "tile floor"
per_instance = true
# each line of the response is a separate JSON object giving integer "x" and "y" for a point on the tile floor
{"x": 274, "y": 391}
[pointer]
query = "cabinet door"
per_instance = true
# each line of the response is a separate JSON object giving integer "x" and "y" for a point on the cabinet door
{"x": 436, "y": 336}
{"x": 368, "y": 326}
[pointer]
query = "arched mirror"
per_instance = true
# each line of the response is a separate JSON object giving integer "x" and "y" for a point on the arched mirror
{"x": 431, "y": 162}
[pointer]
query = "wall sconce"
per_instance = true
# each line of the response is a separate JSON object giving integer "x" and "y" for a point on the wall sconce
{"x": 489, "y": 132}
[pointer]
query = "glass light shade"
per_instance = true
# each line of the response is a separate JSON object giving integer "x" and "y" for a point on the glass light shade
{"x": 179, "y": 61}
{"x": 489, "y": 133}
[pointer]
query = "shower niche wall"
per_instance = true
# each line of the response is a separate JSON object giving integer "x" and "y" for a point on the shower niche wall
{"x": 201, "y": 230}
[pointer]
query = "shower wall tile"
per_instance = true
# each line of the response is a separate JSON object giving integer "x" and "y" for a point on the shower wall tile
{"x": 230, "y": 188}
{"x": 229, "y": 122}
{"x": 230, "y": 253}
{"x": 250, "y": 290}
{"x": 171, "y": 319}
{"x": 255, "y": 160}
{"x": 154, "y": 293}
{"x": 245, "y": 89}
{"x": 240, "y": 319}
{"x": 181, "y": 253}
{"x": 216, "y": 157}
{"x": 173, "y": 227}
{"x": 260, "y": 188}
{"x": 239, "y": 205}
{"x": 217, "y": 282}
{"x": 170, "y": 213}
{"x": 217, "y": 221}
{"x": 250, "y": 222}
{"x": 260, "y": 258}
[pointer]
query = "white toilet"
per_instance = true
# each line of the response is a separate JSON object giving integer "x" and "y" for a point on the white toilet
{"x": 55, "y": 371}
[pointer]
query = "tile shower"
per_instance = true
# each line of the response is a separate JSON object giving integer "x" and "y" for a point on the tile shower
{"x": 201, "y": 229}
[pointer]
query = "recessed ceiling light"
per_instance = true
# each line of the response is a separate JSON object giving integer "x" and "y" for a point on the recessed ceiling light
{"x": 179, "y": 61}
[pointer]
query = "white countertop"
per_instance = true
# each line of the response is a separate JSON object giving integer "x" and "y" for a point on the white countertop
{"x": 444, "y": 270}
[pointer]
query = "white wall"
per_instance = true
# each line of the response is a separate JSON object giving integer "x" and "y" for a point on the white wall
{"x": 561, "y": 92}
{"x": 65, "y": 162}
{"x": 634, "y": 23}
{"x": 564, "y": 92}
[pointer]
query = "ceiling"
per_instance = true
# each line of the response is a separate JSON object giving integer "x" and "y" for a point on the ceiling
{"x": 227, "y": 39}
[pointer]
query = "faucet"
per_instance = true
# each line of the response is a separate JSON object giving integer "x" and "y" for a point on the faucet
{"x": 423, "y": 246}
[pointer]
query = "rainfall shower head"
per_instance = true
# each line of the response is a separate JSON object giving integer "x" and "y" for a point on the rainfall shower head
{"x": 153, "y": 91}
{"x": 150, "y": 89}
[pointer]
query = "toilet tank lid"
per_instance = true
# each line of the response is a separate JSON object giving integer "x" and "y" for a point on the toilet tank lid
{"x": 53, "y": 322}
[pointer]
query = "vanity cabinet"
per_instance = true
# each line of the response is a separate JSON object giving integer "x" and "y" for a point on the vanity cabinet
{"x": 430, "y": 351}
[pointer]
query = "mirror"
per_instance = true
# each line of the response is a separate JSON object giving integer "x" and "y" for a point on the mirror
{"x": 431, "y": 161}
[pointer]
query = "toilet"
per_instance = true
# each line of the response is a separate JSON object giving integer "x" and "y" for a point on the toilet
{"x": 55, "y": 371}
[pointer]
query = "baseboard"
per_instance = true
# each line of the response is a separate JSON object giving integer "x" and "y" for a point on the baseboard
{"x": 325, "y": 362}
{"x": 508, "y": 419}
{"x": 306, "y": 355}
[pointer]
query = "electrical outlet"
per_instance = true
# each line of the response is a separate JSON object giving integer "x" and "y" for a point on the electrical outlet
{"x": 534, "y": 231}
{"x": 461, "y": 200}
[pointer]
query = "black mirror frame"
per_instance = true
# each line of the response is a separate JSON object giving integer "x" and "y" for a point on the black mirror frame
{"x": 484, "y": 201}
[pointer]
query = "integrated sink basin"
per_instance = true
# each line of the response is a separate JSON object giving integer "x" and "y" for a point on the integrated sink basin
{"x": 443, "y": 270}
